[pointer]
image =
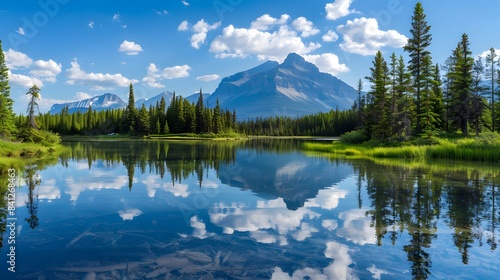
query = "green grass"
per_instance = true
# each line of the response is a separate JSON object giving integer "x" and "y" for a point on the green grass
{"x": 18, "y": 155}
{"x": 486, "y": 148}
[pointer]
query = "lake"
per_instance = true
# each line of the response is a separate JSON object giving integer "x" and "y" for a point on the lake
{"x": 256, "y": 209}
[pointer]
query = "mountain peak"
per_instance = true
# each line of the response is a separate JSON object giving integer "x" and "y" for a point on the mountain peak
{"x": 293, "y": 57}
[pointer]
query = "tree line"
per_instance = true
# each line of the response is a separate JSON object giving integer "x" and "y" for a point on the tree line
{"x": 417, "y": 100}
{"x": 180, "y": 116}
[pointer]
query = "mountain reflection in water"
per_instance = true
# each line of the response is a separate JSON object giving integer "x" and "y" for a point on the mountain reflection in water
{"x": 250, "y": 209}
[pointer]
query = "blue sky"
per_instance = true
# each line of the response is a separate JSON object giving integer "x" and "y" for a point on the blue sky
{"x": 77, "y": 49}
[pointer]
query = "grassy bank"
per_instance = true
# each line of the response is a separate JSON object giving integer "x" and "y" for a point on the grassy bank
{"x": 483, "y": 148}
{"x": 17, "y": 155}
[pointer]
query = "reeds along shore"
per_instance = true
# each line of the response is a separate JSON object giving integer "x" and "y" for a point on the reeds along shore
{"x": 483, "y": 148}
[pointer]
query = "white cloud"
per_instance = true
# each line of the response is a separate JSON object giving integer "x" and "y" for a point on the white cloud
{"x": 363, "y": 36}
{"x": 82, "y": 95}
{"x": 185, "y": 2}
{"x": 124, "y": 26}
{"x": 16, "y": 60}
{"x": 330, "y": 36}
{"x": 271, "y": 220}
{"x": 276, "y": 45}
{"x": 129, "y": 214}
{"x": 199, "y": 228}
{"x": 305, "y": 26}
{"x": 46, "y": 70}
{"x": 91, "y": 24}
{"x": 208, "y": 78}
{"x": 487, "y": 52}
{"x": 174, "y": 72}
{"x": 116, "y": 17}
{"x": 357, "y": 227}
{"x": 20, "y": 30}
{"x": 330, "y": 225}
{"x": 183, "y": 26}
{"x": 265, "y": 21}
{"x": 328, "y": 63}
{"x": 377, "y": 272}
{"x": 130, "y": 48}
{"x": 200, "y": 30}
{"x": 327, "y": 198}
{"x": 338, "y": 9}
{"x": 154, "y": 74}
{"x": 23, "y": 80}
{"x": 97, "y": 81}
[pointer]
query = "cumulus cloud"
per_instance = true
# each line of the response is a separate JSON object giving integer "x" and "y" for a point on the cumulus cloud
{"x": 328, "y": 63}
{"x": 46, "y": 70}
{"x": 130, "y": 48}
{"x": 129, "y": 214}
{"x": 338, "y": 9}
{"x": 91, "y": 24}
{"x": 208, "y": 78}
{"x": 185, "y": 3}
{"x": 276, "y": 45}
{"x": 363, "y": 36}
{"x": 330, "y": 36}
{"x": 200, "y": 30}
{"x": 487, "y": 52}
{"x": 154, "y": 75}
{"x": 183, "y": 26}
{"x": 23, "y": 80}
{"x": 265, "y": 22}
{"x": 116, "y": 17}
{"x": 17, "y": 60}
{"x": 97, "y": 81}
{"x": 305, "y": 26}
{"x": 357, "y": 227}
{"x": 199, "y": 228}
{"x": 20, "y": 30}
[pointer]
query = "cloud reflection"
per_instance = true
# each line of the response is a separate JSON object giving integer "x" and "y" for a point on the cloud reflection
{"x": 129, "y": 214}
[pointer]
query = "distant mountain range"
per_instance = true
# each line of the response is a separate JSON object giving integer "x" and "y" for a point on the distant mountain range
{"x": 293, "y": 88}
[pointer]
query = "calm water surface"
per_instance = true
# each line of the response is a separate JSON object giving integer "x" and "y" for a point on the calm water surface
{"x": 250, "y": 210}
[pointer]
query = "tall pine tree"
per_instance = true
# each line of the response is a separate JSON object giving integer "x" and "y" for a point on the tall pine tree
{"x": 7, "y": 126}
{"x": 491, "y": 74}
{"x": 417, "y": 49}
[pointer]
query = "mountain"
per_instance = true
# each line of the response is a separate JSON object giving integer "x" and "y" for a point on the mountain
{"x": 109, "y": 101}
{"x": 167, "y": 95}
{"x": 293, "y": 88}
{"x": 99, "y": 103}
{"x": 193, "y": 98}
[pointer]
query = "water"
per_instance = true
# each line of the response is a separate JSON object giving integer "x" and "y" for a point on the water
{"x": 250, "y": 210}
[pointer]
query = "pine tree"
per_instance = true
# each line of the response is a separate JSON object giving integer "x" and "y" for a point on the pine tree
{"x": 131, "y": 112}
{"x": 438, "y": 95}
{"x": 32, "y": 109}
{"x": 404, "y": 101}
{"x": 417, "y": 49}
{"x": 143, "y": 125}
{"x": 7, "y": 125}
{"x": 462, "y": 85}
{"x": 360, "y": 103}
{"x": 429, "y": 118}
{"x": 491, "y": 74}
{"x": 217, "y": 119}
{"x": 200, "y": 120}
{"x": 478, "y": 105}
{"x": 378, "y": 115}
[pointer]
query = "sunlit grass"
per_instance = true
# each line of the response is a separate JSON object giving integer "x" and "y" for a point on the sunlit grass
{"x": 483, "y": 148}
{"x": 18, "y": 155}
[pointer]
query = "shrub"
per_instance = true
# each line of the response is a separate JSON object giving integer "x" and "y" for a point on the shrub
{"x": 353, "y": 137}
